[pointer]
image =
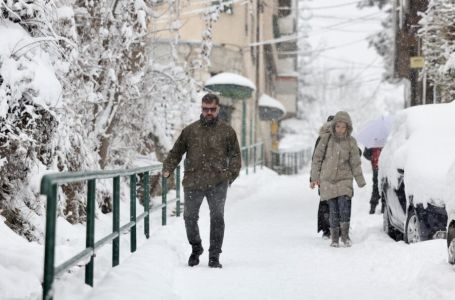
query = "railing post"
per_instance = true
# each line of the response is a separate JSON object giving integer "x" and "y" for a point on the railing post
{"x": 133, "y": 211}
{"x": 116, "y": 221}
{"x": 254, "y": 159}
{"x": 90, "y": 235}
{"x": 163, "y": 200}
{"x": 296, "y": 166}
{"x": 247, "y": 162}
{"x": 146, "y": 199}
{"x": 49, "y": 249}
{"x": 262, "y": 155}
{"x": 177, "y": 191}
{"x": 284, "y": 159}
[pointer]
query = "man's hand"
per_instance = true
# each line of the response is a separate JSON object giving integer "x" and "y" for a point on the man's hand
{"x": 166, "y": 174}
{"x": 315, "y": 183}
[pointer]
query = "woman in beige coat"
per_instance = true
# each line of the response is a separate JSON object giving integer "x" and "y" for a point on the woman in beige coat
{"x": 336, "y": 163}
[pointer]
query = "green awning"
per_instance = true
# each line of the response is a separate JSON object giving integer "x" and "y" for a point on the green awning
{"x": 231, "y": 85}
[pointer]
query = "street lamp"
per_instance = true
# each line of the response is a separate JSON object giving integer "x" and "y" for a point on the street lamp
{"x": 236, "y": 87}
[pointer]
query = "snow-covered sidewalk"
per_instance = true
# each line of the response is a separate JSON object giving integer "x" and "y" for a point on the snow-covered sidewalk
{"x": 272, "y": 251}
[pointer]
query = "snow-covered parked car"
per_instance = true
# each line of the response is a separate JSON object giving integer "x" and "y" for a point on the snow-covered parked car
{"x": 413, "y": 170}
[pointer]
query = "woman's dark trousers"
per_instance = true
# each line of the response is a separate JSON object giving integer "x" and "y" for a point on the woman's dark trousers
{"x": 340, "y": 216}
{"x": 340, "y": 211}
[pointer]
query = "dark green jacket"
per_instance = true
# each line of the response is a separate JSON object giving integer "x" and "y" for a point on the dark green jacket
{"x": 212, "y": 154}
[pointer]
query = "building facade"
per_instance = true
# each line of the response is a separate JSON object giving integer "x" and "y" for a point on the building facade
{"x": 240, "y": 37}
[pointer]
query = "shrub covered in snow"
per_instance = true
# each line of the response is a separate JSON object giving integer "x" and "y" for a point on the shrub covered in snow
{"x": 438, "y": 44}
{"x": 79, "y": 91}
{"x": 29, "y": 92}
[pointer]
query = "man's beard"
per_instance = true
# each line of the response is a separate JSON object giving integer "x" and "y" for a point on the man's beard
{"x": 209, "y": 121}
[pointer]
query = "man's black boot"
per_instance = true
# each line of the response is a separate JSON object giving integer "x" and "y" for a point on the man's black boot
{"x": 194, "y": 257}
{"x": 373, "y": 209}
{"x": 214, "y": 262}
{"x": 326, "y": 234}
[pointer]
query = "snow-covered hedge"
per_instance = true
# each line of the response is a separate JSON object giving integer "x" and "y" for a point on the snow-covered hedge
{"x": 438, "y": 45}
{"x": 80, "y": 90}
{"x": 29, "y": 96}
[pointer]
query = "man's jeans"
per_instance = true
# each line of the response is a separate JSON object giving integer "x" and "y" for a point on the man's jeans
{"x": 216, "y": 198}
{"x": 340, "y": 210}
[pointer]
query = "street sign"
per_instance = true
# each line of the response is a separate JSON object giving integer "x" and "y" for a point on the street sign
{"x": 417, "y": 62}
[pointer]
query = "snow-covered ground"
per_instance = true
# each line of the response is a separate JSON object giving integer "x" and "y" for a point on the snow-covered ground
{"x": 271, "y": 250}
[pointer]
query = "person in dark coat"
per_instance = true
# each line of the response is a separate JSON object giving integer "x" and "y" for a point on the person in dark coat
{"x": 372, "y": 154}
{"x": 323, "y": 209}
{"x": 212, "y": 163}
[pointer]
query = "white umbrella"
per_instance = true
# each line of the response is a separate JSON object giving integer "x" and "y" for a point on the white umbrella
{"x": 374, "y": 133}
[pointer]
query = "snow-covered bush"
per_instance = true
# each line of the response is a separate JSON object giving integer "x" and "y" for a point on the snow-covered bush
{"x": 29, "y": 93}
{"x": 79, "y": 91}
{"x": 438, "y": 45}
{"x": 33, "y": 15}
{"x": 211, "y": 15}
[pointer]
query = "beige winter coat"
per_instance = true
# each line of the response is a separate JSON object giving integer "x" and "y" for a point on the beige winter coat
{"x": 336, "y": 162}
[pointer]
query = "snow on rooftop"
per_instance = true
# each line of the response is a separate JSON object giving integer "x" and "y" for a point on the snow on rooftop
{"x": 231, "y": 78}
{"x": 266, "y": 100}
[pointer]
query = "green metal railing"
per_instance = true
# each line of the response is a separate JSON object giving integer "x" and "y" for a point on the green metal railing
{"x": 49, "y": 187}
{"x": 290, "y": 162}
{"x": 252, "y": 155}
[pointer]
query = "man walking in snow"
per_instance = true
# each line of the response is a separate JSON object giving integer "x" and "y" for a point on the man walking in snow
{"x": 336, "y": 162}
{"x": 212, "y": 163}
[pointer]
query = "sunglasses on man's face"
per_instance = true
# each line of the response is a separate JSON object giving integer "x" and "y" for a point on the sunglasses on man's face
{"x": 209, "y": 109}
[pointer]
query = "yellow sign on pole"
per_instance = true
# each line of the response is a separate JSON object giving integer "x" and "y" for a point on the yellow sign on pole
{"x": 274, "y": 133}
{"x": 417, "y": 62}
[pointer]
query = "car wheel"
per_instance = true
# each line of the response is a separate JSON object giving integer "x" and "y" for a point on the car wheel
{"x": 412, "y": 229}
{"x": 451, "y": 243}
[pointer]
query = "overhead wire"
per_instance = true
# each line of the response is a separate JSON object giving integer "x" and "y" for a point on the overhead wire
{"x": 340, "y": 26}
{"x": 344, "y": 60}
{"x": 297, "y": 36}
{"x": 332, "y": 86}
{"x": 339, "y": 18}
{"x": 333, "y": 6}
{"x": 352, "y": 20}
{"x": 324, "y": 49}
{"x": 203, "y": 9}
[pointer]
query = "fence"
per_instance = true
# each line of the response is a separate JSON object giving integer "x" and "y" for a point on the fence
{"x": 49, "y": 187}
{"x": 290, "y": 162}
{"x": 252, "y": 155}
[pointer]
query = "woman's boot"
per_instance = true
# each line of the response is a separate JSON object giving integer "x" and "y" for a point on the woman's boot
{"x": 345, "y": 234}
{"x": 335, "y": 235}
